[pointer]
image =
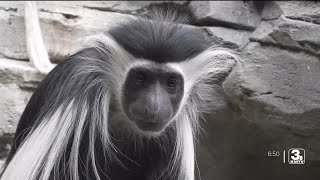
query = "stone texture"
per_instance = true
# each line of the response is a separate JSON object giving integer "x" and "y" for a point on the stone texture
{"x": 62, "y": 24}
{"x": 271, "y": 11}
{"x": 12, "y": 42}
{"x": 62, "y": 27}
{"x": 129, "y": 7}
{"x": 295, "y": 35}
{"x": 231, "y": 38}
{"x": 18, "y": 80}
{"x": 308, "y": 11}
{"x": 19, "y": 73}
{"x": 13, "y": 100}
{"x": 236, "y": 14}
{"x": 277, "y": 87}
{"x": 274, "y": 106}
{"x": 234, "y": 148}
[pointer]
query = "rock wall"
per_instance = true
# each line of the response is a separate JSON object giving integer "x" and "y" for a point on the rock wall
{"x": 273, "y": 100}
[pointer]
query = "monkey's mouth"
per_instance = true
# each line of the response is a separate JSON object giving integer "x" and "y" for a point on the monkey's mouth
{"x": 150, "y": 126}
{"x": 148, "y": 123}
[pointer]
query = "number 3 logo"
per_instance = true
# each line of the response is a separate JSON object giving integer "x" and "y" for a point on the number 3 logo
{"x": 296, "y": 155}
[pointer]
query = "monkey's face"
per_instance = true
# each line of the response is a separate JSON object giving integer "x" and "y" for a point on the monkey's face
{"x": 151, "y": 97}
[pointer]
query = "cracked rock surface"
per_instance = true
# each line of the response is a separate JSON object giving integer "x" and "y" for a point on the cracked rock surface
{"x": 276, "y": 86}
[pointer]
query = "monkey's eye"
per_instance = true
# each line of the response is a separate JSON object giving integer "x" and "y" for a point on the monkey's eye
{"x": 139, "y": 78}
{"x": 172, "y": 82}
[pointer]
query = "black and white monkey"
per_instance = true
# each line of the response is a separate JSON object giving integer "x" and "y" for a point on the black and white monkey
{"x": 125, "y": 107}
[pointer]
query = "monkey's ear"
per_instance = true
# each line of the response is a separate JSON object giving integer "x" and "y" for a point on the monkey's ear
{"x": 213, "y": 64}
{"x": 199, "y": 72}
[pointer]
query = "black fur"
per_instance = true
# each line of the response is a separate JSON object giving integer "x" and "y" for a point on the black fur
{"x": 160, "y": 42}
{"x": 162, "y": 38}
{"x": 169, "y": 12}
{"x": 59, "y": 87}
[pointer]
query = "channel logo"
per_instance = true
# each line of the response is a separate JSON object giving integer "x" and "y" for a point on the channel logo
{"x": 296, "y": 156}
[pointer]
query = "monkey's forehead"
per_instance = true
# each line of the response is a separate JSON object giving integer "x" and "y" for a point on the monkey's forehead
{"x": 155, "y": 66}
{"x": 160, "y": 42}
